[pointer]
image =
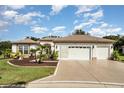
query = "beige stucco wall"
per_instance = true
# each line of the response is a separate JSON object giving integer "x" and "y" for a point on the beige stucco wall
{"x": 48, "y": 42}
{"x": 33, "y": 46}
{"x": 14, "y": 48}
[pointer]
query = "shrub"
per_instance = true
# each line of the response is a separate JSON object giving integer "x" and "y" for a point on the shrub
{"x": 33, "y": 52}
{"x": 115, "y": 55}
{"x": 16, "y": 55}
{"x": 55, "y": 55}
{"x": 7, "y": 53}
{"x": 40, "y": 58}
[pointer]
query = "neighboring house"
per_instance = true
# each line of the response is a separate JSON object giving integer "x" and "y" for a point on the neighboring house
{"x": 78, "y": 47}
{"x": 122, "y": 49}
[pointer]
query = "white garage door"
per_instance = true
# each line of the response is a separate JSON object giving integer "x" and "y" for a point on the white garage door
{"x": 79, "y": 53}
{"x": 102, "y": 52}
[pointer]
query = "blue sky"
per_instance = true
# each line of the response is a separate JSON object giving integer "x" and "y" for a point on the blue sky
{"x": 17, "y": 22}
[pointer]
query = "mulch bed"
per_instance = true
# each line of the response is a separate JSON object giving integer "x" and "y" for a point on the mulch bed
{"x": 26, "y": 62}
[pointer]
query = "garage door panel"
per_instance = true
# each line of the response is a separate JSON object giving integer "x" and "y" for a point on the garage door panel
{"x": 102, "y": 52}
{"x": 79, "y": 53}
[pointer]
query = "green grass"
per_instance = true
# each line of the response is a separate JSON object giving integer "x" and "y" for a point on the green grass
{"x": 121, "y": 57}
{"x": 18, "y": 75}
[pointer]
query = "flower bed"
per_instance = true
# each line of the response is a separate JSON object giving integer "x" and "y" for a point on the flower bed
{"x": 27, "y": 62}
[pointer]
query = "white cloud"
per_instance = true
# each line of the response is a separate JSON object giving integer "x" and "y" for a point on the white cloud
{"x": 22, "y": 18}
{"x": 84, "y": 8}
{"x": 56, "y": 9}
{"x": 89, "y": 23}
{"x": 95, "y": 15}
{"x": 38, "y": 29}
{"x": 75, "y": 22}
{"x": 97, "y": 32}
{"x": 90, "y": 17}
{"x": 27, "y": 18}
{"x": 104, "y": 25}
{"x": 113, "y": 30}
{"x": 10, "y": 14}
{"x": 105, "y": 29}
{"x": 31, "y": 14}
{"x": 15, "y": 7}
{"x": 3, "y": 25}
{"x": 59, "y": 29}
{"x": 78, "y": 27}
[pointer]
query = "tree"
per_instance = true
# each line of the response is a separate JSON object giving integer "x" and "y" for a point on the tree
{"x": 79, "y": 32}
{"x": 112, "y": 37}
{"x": 5, "y": 46}
{"x": 33, "y": 38}
{"x": 119, "y": 43}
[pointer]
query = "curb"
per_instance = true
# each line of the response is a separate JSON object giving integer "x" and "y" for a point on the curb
{"x": 28, "y": 66}
{"x": 81, "y": 82}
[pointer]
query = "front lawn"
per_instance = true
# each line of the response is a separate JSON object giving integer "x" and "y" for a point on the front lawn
{"x": 121, "y": 57}
{"x": 21, "y": 75}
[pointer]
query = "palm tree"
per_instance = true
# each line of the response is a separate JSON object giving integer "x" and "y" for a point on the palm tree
{"x": 32, "y": 50}
{"x": 42, "y": 52}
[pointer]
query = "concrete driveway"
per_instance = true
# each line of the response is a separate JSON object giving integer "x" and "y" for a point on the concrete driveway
{"x": 104, "y": 73}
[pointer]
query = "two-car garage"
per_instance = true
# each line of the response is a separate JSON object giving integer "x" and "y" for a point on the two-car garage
{"x": 84, "y": 52}
{"x": 83, "y": 47}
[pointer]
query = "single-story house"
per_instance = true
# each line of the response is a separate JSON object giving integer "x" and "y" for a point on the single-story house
{"x": 77, "y": 47}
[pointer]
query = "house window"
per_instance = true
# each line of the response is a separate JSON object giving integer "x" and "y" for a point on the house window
{"x": 21, "y": 49}
{"x": 25, "y": 49}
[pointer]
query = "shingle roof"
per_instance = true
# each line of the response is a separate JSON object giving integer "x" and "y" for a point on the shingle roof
{"x": 26, "y": 41}
{"x": 82, "y": 39}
